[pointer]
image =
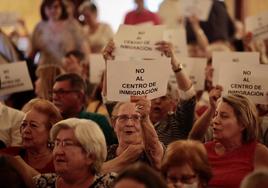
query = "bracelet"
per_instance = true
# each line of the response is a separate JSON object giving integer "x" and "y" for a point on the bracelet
{"x": 178, "y": 68}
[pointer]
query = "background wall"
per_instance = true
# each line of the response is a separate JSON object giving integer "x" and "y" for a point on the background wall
{"x": 113, "y": 11}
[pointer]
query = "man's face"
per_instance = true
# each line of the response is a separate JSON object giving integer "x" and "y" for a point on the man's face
{"x": 68, "y": 100}
{"x": 160, "y": 108}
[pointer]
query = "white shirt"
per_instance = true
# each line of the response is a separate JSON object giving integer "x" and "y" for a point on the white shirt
{"x": 10, "y": 120}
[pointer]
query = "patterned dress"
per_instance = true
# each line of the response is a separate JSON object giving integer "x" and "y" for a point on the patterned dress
{"x": 49, "y": 180}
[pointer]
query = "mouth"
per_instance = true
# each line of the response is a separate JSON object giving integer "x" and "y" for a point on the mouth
{"x": 129, "y": 132}
{"x": 60, "y": 160}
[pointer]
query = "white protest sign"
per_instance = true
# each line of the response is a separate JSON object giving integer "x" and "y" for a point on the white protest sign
{"x": 245, "y": 79}
{"x": 199, "y": 8}
{"x": 14, "y": 77}
{"x": 138, "y": 41}
{"x": 177, "y": 37}
{"x": 220, "y": 58}
{"x": 8, "y": 18}
{"x": 258, "y": 25}
{"x": 195, "y": 69}
{"x": 96, "y": 68}
{"x": 137, "y": 78}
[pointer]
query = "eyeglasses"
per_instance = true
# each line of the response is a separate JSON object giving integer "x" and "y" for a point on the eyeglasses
{"x": 125, "y": 118}
{"x": 66, "y": 144}
{"x": 186, "y": 179}
{"x": 63, "y": 92}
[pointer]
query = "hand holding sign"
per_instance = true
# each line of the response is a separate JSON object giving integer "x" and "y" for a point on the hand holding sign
{"x": 108, "y": 51}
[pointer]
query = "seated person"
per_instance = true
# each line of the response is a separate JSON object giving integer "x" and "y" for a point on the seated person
{"x": 78, "y": 155}
{"x": 185, "y": 164}
{"x": 36, "y": 149}
{"x": 137, "y": 138}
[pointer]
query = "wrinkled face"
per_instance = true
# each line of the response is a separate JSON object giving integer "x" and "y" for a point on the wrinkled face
{"x": 225, "y": 124}
{"x": 53, "y": 12}
{"x": 68, "y": 155}
{"x": 182, "y": 176}
{"x": 34, "y": 131}
{"x": 67, "y": 100}
{"x": 127, "y": 124}
{"x": 129, "y": 183}
{"x": 160, "y": 108}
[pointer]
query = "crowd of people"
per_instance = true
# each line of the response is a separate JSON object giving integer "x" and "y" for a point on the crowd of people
{"x": 54, "y": 136}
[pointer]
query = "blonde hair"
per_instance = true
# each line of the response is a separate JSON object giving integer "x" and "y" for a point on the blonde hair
{"x": 47, "y": 74}
{"x": 246, "y": 114}
{"x": 45, "y": 107}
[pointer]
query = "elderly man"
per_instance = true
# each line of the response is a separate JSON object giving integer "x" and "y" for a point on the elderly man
{"x": 69, "y": 96}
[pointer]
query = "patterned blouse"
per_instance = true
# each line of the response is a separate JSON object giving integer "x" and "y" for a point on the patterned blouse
{"x": 49, "y": 180}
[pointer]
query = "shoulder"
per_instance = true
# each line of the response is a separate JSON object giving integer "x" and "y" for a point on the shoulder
{"x": 92, "y": 116}
{"x": 45, "y": 180}
{"x": 261, "y": 156}
{"x": 104, "y": 180}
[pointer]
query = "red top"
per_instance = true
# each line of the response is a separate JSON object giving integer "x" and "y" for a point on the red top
{"x": 134, "y": 17}
{"x": 229, "y": 169}
{"x": 48, "y": 168}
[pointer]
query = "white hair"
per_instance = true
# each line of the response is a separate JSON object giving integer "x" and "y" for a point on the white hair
{"x": 89, "y": 135}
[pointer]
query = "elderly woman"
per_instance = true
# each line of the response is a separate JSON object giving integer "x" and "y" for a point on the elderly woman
{"x": 185, "y": 164}
{"x": 234, "y": 151}
{"x": 137, "y": 138}
{"x": 36, "y": 148}
{"x": 78, "y": 154}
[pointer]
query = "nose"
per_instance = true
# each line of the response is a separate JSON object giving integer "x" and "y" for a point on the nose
{"x": 58, "y": 150}
{"x": 25, "y": 129}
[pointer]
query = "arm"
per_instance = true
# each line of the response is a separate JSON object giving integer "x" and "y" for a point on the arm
{"x": 130, "y": 155}
{"x": 184, "y": 82}
{"x": 153, "y": 146}
{"x": 261, "y": 157}
{"x": 26, "y": 172}
{"x": 202, "y": 39}
{"x": 201, "y": 125}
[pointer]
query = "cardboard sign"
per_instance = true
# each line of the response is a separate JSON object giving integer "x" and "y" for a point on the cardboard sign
{"x": 199, "y": 8}
{"x": 245, "y": 79}
{"x": 195, "y": 69}
{"x": 14, "y": 77}
{"x": 220, "y": 58}
{"x": 258, "y": 25}
{"x": 137, "y": 78}
{"x": 178, "y": 39}
{"x": 138, "y": 41}
{"x": 96, "y": 68}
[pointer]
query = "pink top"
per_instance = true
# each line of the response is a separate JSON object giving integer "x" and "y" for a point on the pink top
{"x": 229, "y": 169}
{"x": 134, "y": 17}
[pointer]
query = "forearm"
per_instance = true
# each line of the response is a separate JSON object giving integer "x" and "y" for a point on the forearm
{"x": 114, "y": 165}
{"x": 183, "y": 80}
{"x": 153, "y": 146}
{"x": 201, "y": 125}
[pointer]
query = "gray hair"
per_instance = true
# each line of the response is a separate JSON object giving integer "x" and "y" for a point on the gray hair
{"x": 89, "y": 135}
